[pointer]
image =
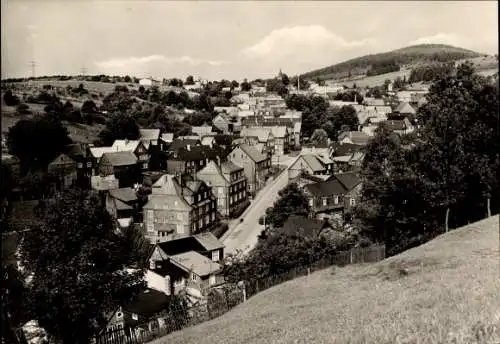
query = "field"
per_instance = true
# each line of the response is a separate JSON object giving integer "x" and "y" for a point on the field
{"x": 92, "y": 86}
{"x": 445, "y": 291}
{"x": 78, "y": 132}
{"x": 484, "y": 65}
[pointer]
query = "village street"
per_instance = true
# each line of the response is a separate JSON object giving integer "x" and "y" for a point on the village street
{"x": 243, "y": 235}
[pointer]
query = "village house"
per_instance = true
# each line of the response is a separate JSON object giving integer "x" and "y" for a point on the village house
{"x": 400, "y": 126}
{"x": 123, "y": 205}
{"x": 136, "y": 147}
{"x": 79, "y": 153}
{"x": 311, "y": 164}
{"x": 256, "y": 135}
{"x": 354, "y": 137}
{"x": 347, "y": 156}
{"x": 95, "y": 155}
{"x": 192, "y": 159}
{"x": 301, "y": 225}
{"x": 201, "y": 131}
{"x": 227, "y": 123}
{"x": 190, "y": 273}
{"x": 335, "y": 197}
{"x": 123, "y": 165}
{"x": 64, "y": 169}
{"x": 228, "y": 183}
{"x": 256, "y": 165}
{"x": 178, "y": 206}
{"x": 178, "y": 143}
{"x": 150, "y": 138}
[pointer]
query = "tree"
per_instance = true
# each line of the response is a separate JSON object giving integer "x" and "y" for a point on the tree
{"x": 285, "y": 79}
{"x": 234, "y": 84}
{"x": 337, "y": 118}
{"x": 189, "y": 80}
{"x": 23, "y": 109}
{"x": 245, "y": 86}
{"x": 88, "y": 107}
{"x": 292, "y": 201}
{"x": 319, "y": 137}
{"x": 37, "y": 141}
{"x": 119, "y": 127}
{"x": 82, "y": 278}
{"x": 10, "y": 99}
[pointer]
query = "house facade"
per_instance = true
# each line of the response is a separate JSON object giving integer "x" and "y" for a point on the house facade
{"x": 178, "y": 207}
{"x": 137, "y": 147}
{"x": 123, "y": 165}
{"x": 255, "y": 165}
{"x": 64, "y": 169}
{"x": 228, "y": 183}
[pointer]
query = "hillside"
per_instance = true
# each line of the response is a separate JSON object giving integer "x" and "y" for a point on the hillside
{"x": 447, "y": 294}
{"x": 412, "y": 55}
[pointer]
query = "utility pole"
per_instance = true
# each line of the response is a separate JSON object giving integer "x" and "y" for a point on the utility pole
{"x": 83, "y": 71}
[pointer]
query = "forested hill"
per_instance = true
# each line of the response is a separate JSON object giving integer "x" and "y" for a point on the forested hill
{"x": 392, "y": 61}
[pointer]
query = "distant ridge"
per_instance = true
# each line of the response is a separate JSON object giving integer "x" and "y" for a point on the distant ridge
{"x": 407, "y": 56}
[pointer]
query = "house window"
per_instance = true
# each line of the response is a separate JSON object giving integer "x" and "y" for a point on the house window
{"x": 219, "y": 201}
{"x": 336, "y": 199}
{"x": 324, "y": 201}
{"x": 179, "y": 216}
{"x": 311, "y": 202}
{"x": 212, "y": 280}
{"x": 180, "y": 229}
{"x": 89, "y": 164}
{"x": 353, "y": 202}
{"x": 194, "y": 277}
{"x": 207, "y": 219}
{"x": 213, "y": 216}
{"x": 145, "y": 165}
{"x": 215, "y": 255}
{"x": 150, "y": 227}
{"x": 152, "y": 264}
{"x": 200, "y": 223}
{"x": 80, "y": 165}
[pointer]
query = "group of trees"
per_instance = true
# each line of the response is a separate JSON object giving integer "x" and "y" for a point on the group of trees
{"x": 349, "y": 96}
{"x": 446, "y": 178}
{"x": 383, "y": 67}
{"x": 431, "y": 72}
{"x": 316, "y": 113}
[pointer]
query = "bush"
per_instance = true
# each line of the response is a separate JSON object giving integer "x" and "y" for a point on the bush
{"x": 10, "y": 99}
{"x": 219, "y": 230}
{"x": 240, "y": 208}
{"x": 23, "y": 109}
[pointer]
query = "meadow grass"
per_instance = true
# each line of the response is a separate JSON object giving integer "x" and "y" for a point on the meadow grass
{"x": 445, "y": 291}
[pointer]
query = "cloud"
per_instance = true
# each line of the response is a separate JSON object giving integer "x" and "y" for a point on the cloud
{"x": 442, "y": 38}
{"x": 290, "y": 40}
{"x": 130, "y": 62}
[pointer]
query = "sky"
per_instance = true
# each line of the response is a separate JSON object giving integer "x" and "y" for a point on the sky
{"x": 227, "y": 39}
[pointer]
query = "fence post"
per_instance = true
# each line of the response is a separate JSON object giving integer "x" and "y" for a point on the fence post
{"x": 308, "y": 271}
{"x": 350, "y": 261}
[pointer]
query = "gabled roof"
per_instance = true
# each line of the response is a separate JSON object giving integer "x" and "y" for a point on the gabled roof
{"x": 347, "y": 149}
{"x": 325, "y": 189}
{"x": 149, "y": 134}
{"x": 209, "y": 241}
{"x": 193, "y": 261}
{"x": 348, "y": 179}
{"x": 278, "y": 131}
{"x": 324, "y": 159}
{"x": 357, "y": 137}
{"x": 229, "y": 167}
{"x": 167, "y": 137}
{"x": 75, "y": 150}
{"x": 255, "y": 155}
{"x": 121, "y": 158}
{"x": 166, "y": 185}
{"x": 121, "y": 205}
{"x": 202, "y": 130}
{"x": 261, "y": 133}
{"x": 178, "y": 144}
{"x": 62, "y": 159}
{"x": 97, "y": 152}
{"x": 296, "y": 224}
{"x": 405, "y": 107}
{"x": 148, "y": 303}
{"x": 125, "y": 145}
{"x": 197, "y": 153}
{"x": 313, "y": 162}
{"x": 124, "y": 194}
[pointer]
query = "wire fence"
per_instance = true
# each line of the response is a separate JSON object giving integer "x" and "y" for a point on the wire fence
{"x": 220, "y": 300}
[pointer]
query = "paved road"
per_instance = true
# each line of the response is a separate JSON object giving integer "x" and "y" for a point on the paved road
{"x": 243, "y": 235}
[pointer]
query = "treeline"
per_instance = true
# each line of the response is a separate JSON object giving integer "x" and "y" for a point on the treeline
{"x": 431, "y": 72}
{"x": 444, "y": 178}
{"x": 383, "y": 67}
{"x": 409, "y": 55}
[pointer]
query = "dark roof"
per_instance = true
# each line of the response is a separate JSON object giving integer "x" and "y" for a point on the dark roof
{"x": 347, "y": 149}
{"x": 296, "y": 224}
{"x": 395, "y": 124}
{"x": 195, "y": 153}
{"x": 121, "y": 158}
{"x": 124, "y": 194}
{"x": 254, "y": 154}
{"x": 201, "y": 243}
{"x": 229, "y": 167}
{"x": 224, "y": 140}
{"x": 76, "y": 150}
{"x": 178, "y": 144}
{"x": 148, "y": 303}
{"x": 348, "y": 179}
{"x": 325, "y": 189}
{"x": 267, "y": 122}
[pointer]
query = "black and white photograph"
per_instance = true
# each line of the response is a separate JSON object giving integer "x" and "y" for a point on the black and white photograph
{"x": 248, "y": 172}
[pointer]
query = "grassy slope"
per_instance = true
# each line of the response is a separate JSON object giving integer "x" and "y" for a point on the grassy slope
{"x": 452, "y": 285}
{"x": 404, "y": 56}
